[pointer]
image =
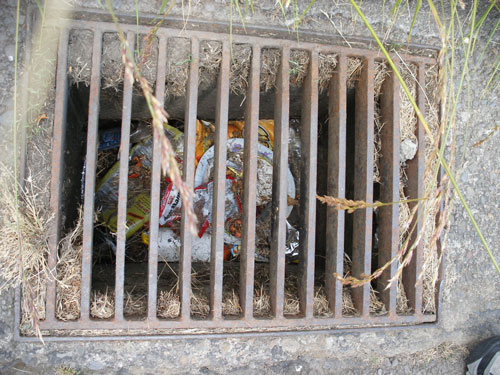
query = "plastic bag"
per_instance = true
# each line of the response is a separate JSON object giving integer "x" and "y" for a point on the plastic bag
{"x": 139, "y": 181}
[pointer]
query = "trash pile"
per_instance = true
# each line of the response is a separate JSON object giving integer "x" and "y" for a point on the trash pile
{"x": 139, "y": 187}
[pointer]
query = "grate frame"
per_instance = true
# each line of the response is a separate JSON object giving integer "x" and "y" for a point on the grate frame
{"x": 335, "y": 185}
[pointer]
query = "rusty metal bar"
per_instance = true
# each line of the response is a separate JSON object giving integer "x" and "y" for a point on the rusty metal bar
{"x": 337, "y": 105}
{"x": 389, "y": 190}
{"x": 363, "y": 186}
{"x": 309, "y": 162}
{"x": 280, "y": 186}
{"x": 155, "y": 187}
{"x": 218, "y": 209}
{"x": 58, "y": 145}
{"x": 188, "y": 175}
{"x": 90, "y": 173}
{"x": 415, "y": 189}
{"x": 249, "y": 187}
{"x": 243, "y": 324}
{"x": 121, "y": 221}
{"x": 439, "y": 218}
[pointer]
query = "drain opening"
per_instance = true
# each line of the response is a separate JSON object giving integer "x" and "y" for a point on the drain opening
{"x": 319, "y": 103}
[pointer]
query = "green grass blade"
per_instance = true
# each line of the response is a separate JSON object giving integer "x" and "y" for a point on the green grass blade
{"x": 435, "y": 14}
{"x": 231, "y": 28}
{"x": 280, "y": 2}
{"x": 305, "y": 12}
{"x": 137, "y": 48}
{"x": 241, "y": 15}
{"x": 396, "y": 7}
{"x": 162, "y": 7}
{"x": 489, "y": 40}
{"x": 415, "y": 14}
{"x": 429, "y": 133}
{"x": 41, "y": 9}
{"x": 483, "y": 16}
{"x": 295, "y": 16}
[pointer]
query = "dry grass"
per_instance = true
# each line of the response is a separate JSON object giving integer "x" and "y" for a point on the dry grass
{"x": 80, "y": 59}
{"x": 200, "y": 307}
{"x": 377, "y": 147}
{"x": 261, "y": 302}
{"x": 69, "y": 269}
{"x": 269, "y": 66}
{"x": 408, "y": 117}
{"x": 298, "y": 65}
{"x": 25, "y": 232}
{"x": 135, "y": 304}
{"x": 405, "y": 216}
{"x": 178, "y": 61}
{"x": 210, "y": 62}
{"x": 147, "y": 59}
{"x": 102, "y": 304}
{"x": 402, "y": 306}
{"x": 432, "y": 105}
{"x": 377, "y": 307}
{"x": 240, "y": 68}
{"x": 326, "y": 67}
{"x": 348, "y": 308}
{"x": 169, "y": 305}
{"x": 111, "y": 64}
{"x": 354, "y": 66}
{"x": 321, "y": 306}
{"x": 80, "y": 56}
{"x": 292, "y": 303}
{"x": 381, "y": 73}
{"x": 431, "y": 259}
{"x": 231, "y": 303}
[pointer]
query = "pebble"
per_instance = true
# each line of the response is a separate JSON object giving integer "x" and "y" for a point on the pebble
{"x": 9, "y": 51}
{"x": 407, "y": 150}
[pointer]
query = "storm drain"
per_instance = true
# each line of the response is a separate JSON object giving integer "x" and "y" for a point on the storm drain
{"x": 338, "y": 151}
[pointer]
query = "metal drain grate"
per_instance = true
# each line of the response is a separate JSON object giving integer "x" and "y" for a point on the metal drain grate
{"x": 388, "y": 241}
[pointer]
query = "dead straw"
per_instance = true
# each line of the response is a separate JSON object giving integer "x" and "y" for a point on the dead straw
{"x": 25, "y": 227}
{"x": 351, "y": 205}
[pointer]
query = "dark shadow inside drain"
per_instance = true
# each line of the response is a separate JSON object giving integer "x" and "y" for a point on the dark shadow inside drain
{"x": 348, "y": 308}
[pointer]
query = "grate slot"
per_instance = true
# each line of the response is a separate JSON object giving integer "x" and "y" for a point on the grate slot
{"x": 336, "y": 180}
{"x": 122, "y": 188}
{"x": 58, "y": 142}
{"x": 188, "y": 176}
{"x": 416, "y": 168}
{"x": 280, "y": 186}
{"x": 155, "y": 187}
{"x": 90, "y": 172}
{"x": 389, "y": 190}
{"x": 309, "y": 140}
{"x": 363, "y": 186}
{"x": 249, "y": 187}
{"x": 217, "y": 251}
